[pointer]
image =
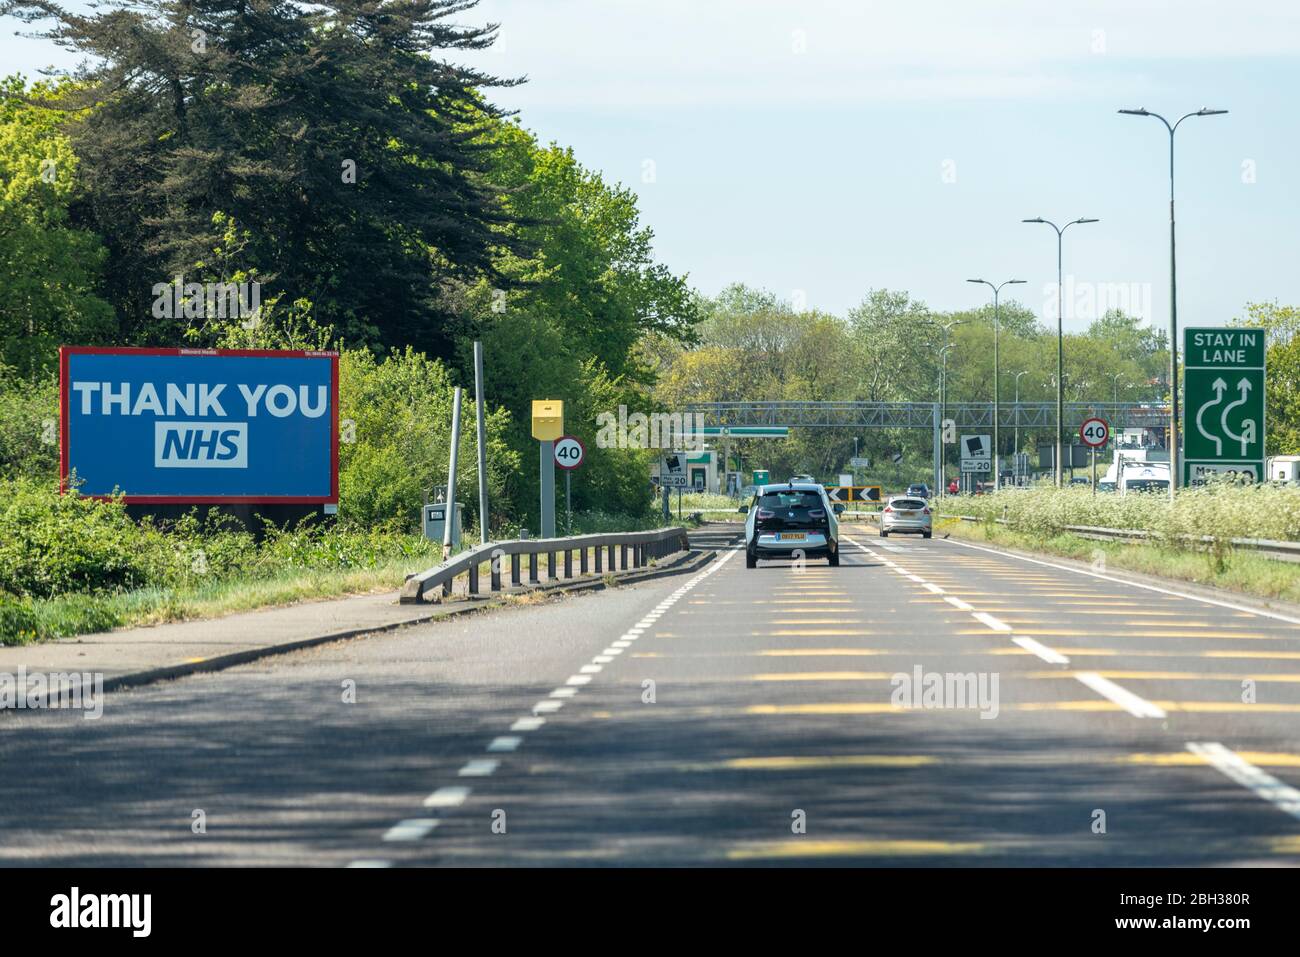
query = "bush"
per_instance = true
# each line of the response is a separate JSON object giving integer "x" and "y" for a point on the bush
{"x": 52, "y": 543}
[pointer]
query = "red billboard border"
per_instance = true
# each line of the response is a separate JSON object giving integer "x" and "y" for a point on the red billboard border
{"x": 331, "y": 499}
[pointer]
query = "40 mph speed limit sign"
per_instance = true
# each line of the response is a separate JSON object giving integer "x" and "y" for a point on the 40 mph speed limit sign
{"x": 1094, "y": 432}
{"x": 569, "y": 452}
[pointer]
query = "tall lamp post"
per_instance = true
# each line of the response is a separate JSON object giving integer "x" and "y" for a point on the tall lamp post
{"x": 997, "y": 448}
{"x": 1018, "y": 375}
{"x": 1175, "y": 471}
{"x": 1060, "y": 332}
{"x": 943, "y": 404}
{"x": 1114, "y": 378}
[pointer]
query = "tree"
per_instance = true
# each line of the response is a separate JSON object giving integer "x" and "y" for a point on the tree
{"x": 321, "y": 149}
{"x": 48, "y": 270}
{"x": 1281, "y": 325}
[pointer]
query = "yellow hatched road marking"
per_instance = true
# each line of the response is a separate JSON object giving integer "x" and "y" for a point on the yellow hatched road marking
{"x": 1181, "y": 759}
{"x": 802, "y": 847}
{"x": 798, "y": 763}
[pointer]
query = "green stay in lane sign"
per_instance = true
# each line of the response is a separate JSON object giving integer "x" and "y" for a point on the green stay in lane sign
{"x": 1223, "y": 408}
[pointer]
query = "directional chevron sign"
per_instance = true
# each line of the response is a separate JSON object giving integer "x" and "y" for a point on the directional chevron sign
{"x": 1223, "y": 412}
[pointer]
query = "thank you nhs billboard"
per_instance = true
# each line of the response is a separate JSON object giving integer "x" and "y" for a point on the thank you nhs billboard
{"x": 200, "y": 426}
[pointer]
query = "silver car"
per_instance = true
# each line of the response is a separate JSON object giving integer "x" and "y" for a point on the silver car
{"x": 905, "y": 513}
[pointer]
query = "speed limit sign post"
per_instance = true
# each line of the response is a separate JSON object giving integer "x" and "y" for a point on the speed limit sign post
{"x": 569, "y": 453}
{"x": 1094, "y": 433}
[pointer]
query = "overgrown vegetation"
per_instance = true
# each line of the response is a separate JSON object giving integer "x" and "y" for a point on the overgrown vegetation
{"x": 1218, "y": 509}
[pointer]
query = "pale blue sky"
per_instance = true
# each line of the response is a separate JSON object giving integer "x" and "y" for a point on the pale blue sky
{"x": 826, "y": 147}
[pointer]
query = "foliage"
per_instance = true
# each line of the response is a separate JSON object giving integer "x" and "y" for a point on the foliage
{"x": 29, "y": 412}
{"x": 318, "y": 148}
{"x": 1242, "y": 511}
{"x": 49, "y": 269}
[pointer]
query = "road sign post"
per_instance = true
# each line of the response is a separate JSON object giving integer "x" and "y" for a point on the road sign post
{"x": 1094, "y": 433}
{"x": 569, "y": 453}
{"x": 1223, "y": 408}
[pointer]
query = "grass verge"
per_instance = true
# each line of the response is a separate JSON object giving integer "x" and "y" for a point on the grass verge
{"x": 1233, "y": 570}
{"x": 68, "y": 615}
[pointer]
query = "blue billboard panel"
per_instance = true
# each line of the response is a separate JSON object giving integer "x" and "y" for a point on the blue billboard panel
{"x": 200, "y": 426}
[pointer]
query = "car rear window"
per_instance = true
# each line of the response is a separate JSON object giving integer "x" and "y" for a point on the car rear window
{"x": 792, "y": 499}
{"x": 907, "y": 503}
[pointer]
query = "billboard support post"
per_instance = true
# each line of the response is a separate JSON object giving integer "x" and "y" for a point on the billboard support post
{"x": 451, "y": 476}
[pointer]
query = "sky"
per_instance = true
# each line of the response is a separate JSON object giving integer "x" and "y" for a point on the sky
{"x": 824, "y": 148}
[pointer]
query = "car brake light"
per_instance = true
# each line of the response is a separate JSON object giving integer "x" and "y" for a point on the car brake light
{"x": 925, "y": 511}
{"x": 889, "y": 508}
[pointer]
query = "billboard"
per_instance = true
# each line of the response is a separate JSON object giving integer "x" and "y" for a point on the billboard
{"x": 200, "y": 426}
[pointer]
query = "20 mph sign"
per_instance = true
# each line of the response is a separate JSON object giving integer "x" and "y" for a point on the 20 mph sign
{"x": 569, "y": 452}
{"x": 1094, "y": 432}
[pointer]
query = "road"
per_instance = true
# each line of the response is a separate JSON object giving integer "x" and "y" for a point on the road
{"x": 730, "y": 717}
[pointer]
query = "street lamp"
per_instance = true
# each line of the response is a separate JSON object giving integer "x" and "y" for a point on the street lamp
{"x": 1060, "y": 331}
{"x": 1174, "y": 470}
{"x": 997, "y": 448}
{"x": 1114, "y": 378}
{"x": 943, "y": 401}
{"x": 1018, "y": 375}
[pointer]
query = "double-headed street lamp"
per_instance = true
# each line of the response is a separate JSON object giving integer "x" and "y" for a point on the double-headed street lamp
{"x": 1060, "y": 333}
{"x": 1174, "y": 469}
{"x": 1114, "y": 378}
{"x": 997, "y": 448}
{"x": 1018, "y": 408}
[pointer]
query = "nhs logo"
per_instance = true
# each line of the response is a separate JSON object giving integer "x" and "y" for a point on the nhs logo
{"x": 200, "y": 445}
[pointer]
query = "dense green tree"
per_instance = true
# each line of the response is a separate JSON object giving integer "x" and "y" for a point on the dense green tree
{"x": 321, "y": 149}
{"x": 48, "y": 269}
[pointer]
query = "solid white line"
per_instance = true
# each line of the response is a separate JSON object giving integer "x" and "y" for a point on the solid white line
{"x": 1042, "y": 651}
{"x": 1283, "y": 796}
{"x": 1121, "y": 581}
{"x": 507, "y": 743}
{"x": 447, "y": 797}
{"x": 935, "y": 588}
{"x": 370, "y": 863}
{"x": 478, "y": 768}
{"x": 411, "y": 830}
{"x": 528, "y": 724}
{"x": 994, "y": 623}
{"x": 1134, "y": 705}
{"x": 958, "y": 603}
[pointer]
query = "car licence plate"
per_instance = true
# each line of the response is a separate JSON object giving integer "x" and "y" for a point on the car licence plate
{"x": 901, "y": 512}
{"x": 790, "y": 536}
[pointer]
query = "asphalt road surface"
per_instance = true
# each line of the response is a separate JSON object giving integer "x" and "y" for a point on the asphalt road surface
{"x": 731, "y": 716}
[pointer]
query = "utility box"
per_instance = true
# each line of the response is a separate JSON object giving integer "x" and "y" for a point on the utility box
{"x": 1284, "y": 468}
{"x": 435, "y": 522}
